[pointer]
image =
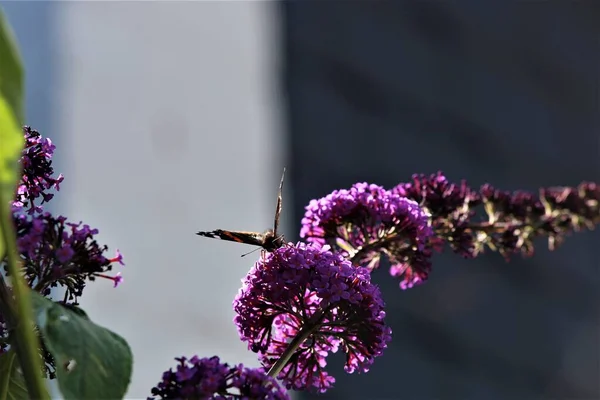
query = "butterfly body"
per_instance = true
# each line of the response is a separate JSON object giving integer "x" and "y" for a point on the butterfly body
{"x": 269, "y": 240}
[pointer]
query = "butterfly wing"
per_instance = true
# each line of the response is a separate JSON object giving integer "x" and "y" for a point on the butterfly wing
{"x": 267, "y": 240}
{"x": 253, "y": 238}
{"x": 278, "y": 207}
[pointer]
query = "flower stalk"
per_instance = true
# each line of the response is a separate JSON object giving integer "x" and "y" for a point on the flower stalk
{"x": 285, "y": 357}
{"x": 18, "y": 312}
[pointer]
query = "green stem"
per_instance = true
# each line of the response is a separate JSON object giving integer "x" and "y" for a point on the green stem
{"x": 375, "y": 245}
{"x": 302, "y": 335}
{"x": 18, "y": 313}
{"x": 473, "y": 228}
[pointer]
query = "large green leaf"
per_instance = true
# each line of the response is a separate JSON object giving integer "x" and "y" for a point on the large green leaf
{"x": 12, "y": 384}
{"x": 11, "y": 71}
{"x": 11, "y": 145}
{"x": 11, "y": 115}
{"x": 91, "y": 361}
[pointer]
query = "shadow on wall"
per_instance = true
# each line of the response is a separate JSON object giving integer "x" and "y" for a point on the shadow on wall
{"x": 505, "y": 94}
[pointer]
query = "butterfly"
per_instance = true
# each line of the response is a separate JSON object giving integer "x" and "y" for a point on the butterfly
{"x": 268, "y": 240}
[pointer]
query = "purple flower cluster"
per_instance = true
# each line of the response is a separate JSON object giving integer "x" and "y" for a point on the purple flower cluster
{"x": 57, "y": 252}
{"x": 54, "y": 251}
{"x": 37, "y": 178}
{"x": 208, "y": 378}
{"x": 367, "y": 221}
{"x": 301, "y": 302}
{"x": 450, "y": 207}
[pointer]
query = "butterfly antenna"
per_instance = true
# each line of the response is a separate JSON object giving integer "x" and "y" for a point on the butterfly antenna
{"x": 250, "y": 252}
{"x": 282, "y": 176}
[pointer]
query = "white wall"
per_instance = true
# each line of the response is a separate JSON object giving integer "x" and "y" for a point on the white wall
{"x": 168, "y": 124}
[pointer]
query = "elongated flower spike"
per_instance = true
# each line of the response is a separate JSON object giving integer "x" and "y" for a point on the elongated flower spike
{"x": 509, "y": 222}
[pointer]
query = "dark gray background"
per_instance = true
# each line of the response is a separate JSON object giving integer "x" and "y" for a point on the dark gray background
{"x": 499, "y": 92}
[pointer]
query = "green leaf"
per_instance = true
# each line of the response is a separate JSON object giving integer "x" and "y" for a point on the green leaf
{"x": 11, "y": 114}
{"x": 11, "y": 145}
{"x": 77, "y": 310}
{"x": 12, "y": 384}
{"x": 91, "y": 361}
{"x": 11, "y": 71}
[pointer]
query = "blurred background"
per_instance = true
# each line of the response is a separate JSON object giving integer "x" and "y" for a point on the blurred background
{"x": 174, "y": 117}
